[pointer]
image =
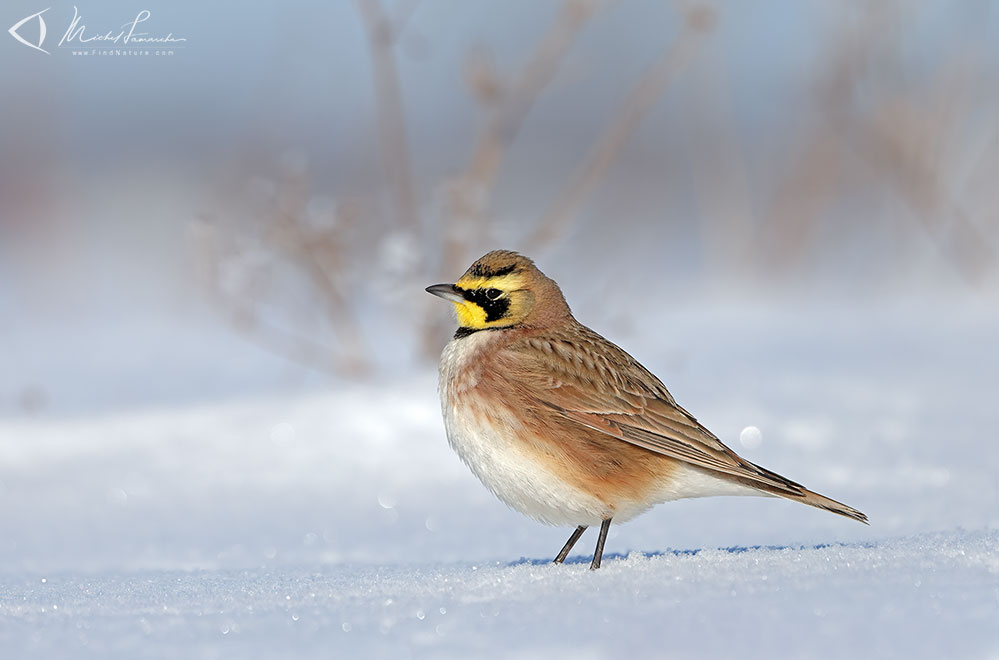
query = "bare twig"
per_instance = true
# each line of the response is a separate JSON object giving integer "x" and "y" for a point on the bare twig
{"x": 810, "y": 188}
{"x": 317, "y": 252}
{"x": 912, "y": 173}
{"x": 469, "y": 197}
{"x": 980, "y": 187}
{"x": 720, "y": 176}
{"x": 403, "y": 15}
{"x": 801, "y": 198}
{"x": 627, "y": 118}
{"x": 287, "y": 345}
{"x": 395, "y": 157}
{"x": 320, "y": 255}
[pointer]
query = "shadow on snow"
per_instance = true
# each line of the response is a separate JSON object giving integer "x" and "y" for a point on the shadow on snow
{"x": 735, "y": 550}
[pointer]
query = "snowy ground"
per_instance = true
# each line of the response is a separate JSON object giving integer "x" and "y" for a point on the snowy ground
{"x": 930, "y": 596}
{"x": 339, "y": 524}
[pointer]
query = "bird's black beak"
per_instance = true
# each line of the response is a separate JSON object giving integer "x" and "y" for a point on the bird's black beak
{"x": 447, "y": 292}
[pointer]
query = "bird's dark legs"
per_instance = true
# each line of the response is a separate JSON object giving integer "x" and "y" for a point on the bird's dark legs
{"x": 564, "y": 552}
{"x": 599, "y": 552}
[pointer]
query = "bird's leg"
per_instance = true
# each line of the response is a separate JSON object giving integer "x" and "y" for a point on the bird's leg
{"x": 599, "y": 552}
{"x": 564, "y": 552}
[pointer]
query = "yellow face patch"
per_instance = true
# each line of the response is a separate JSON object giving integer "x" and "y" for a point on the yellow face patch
{"x": 473, "y": 315}
{"x": 470, "y": 315}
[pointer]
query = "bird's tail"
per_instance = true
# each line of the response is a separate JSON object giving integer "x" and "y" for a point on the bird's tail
{"x": 822, "y": 502}
{"x": 784, "y": 487}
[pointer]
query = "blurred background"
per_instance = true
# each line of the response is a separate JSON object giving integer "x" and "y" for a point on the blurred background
{"x": 293, "y": 175}
{"x": 784, "y": 209}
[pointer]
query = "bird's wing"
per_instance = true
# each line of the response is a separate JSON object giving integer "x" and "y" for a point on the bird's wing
{"x": 591, "y": 382}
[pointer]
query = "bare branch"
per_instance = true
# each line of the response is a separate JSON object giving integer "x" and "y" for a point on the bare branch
{"x": 469, "y": 197}
{"x": 629, "y": 115}
{"x": 912, "y": 174}
{"x": 290, "y": 346}
{"x": 320, "y": 255}
{"x": 720, "y": 175}
{"x": 394, "y": 147}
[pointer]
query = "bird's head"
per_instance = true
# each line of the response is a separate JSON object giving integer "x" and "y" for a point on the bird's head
{"x": 503, "y": 289}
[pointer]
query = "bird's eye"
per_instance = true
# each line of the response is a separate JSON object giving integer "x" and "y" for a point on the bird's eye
{"x": 493, "y": 294}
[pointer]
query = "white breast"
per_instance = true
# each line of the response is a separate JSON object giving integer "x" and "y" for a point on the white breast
{"x": 484, "y": 434}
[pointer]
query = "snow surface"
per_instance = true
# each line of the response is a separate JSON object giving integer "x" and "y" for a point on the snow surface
{"x": 922, "y": 596}
{"x": 339, "y": 523}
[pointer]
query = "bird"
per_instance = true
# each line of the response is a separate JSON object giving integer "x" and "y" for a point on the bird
{"x": 564, "y": 426}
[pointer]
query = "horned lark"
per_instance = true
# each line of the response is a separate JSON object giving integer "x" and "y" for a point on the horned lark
{"x": 564, "y": 426}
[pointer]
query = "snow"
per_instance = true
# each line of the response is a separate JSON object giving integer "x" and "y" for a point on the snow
{"x": 931, "y": 595}
{"x": 339, "y": 524}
